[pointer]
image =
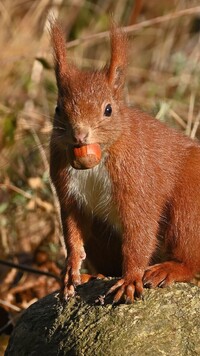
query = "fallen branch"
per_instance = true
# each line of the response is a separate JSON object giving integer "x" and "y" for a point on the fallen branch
{"x": 28, "y": 269}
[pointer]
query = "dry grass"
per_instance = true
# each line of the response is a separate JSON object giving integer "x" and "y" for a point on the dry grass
{"x": 163, "y": 78}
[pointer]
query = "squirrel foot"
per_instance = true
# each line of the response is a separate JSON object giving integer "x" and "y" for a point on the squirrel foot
{"x": 129, "y": 290}
{"x": 85, "y": 277}
{"x": 164, "y": 274}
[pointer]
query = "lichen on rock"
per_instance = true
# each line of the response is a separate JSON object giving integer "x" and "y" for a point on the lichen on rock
{"x": 166, "y": 322}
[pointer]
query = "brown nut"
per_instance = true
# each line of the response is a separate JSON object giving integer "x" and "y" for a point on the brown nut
{"x": 86, "y": 157}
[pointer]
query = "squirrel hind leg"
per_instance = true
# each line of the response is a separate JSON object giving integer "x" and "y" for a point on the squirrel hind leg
{"x": 164, "y": 274}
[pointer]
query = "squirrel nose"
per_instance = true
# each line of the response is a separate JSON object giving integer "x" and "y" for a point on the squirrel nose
{"x": 80, "y": 137}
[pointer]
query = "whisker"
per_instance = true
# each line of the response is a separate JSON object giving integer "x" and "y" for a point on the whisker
{"x": 59, "y": 128}
{"x": 35, "y": 113}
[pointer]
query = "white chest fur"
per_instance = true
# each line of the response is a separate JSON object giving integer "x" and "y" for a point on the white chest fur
{"x": 92, "y": 190}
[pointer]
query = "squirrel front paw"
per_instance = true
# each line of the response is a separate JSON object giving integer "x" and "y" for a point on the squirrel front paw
{"x": 70, "y": 277}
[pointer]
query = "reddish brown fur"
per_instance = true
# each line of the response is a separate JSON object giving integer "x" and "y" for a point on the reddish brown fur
{"x": 152, "y": 176}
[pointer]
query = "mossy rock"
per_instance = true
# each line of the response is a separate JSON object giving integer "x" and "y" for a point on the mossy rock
{"x": 166, "y": 322}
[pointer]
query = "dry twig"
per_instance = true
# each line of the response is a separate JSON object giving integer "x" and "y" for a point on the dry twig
{"x": 136, "y": 27}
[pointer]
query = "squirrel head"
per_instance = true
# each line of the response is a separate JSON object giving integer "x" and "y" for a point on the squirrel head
{"x": 88, "y": 108}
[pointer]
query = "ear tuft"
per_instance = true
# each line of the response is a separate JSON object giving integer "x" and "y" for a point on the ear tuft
{"x": 59, "y": 52}
{"x": 118, "y": 62}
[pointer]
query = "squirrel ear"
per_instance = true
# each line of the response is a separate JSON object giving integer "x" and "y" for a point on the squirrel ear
{"x": 59, "y": 52}
{"x": 118, "y": 62}
{"x": 63, "y": 70}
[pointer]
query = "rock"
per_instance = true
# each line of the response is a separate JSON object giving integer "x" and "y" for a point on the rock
{"x": 166, "y": 322}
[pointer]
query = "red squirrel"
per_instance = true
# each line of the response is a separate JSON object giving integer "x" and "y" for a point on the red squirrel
{"x": 123, "y": 180}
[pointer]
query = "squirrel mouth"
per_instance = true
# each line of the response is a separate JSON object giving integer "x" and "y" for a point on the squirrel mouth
{"x": 85, "y": 156}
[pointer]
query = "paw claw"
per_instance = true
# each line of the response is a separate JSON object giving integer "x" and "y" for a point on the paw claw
{"x": 116, "y": 286}
{"x": 162, "y": 283}
{"x": 126, "y": 290}
{"x": 129, "y": 300}
{"x": 148, "y": 285}
{"x": 115, "y": 303}
{"x": 142, "y": 297}
{"x": 100, "y": 300}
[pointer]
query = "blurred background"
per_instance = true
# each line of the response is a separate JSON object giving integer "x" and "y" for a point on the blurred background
{"x": 163, "y": 78}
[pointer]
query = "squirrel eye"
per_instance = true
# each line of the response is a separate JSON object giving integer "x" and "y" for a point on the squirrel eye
{"x": 57, "y": 110}
{"x": 108, "y": 110}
